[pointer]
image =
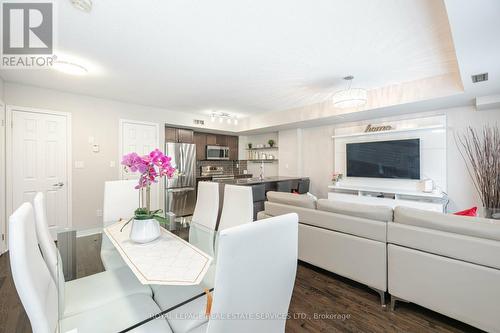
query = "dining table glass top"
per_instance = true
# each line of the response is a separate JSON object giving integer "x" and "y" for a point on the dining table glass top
{"x": 183, "y": 257}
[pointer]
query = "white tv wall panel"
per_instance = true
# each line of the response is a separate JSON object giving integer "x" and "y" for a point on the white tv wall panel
{"x": 432, "y": 134}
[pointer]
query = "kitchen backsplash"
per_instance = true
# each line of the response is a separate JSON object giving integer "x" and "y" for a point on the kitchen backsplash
{"x": 230, "y": 167}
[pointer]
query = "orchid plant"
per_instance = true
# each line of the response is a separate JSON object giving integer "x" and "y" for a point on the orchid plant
{"x": 152, "y": 167}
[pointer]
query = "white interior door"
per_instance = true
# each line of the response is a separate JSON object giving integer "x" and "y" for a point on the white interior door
{"x": 141, "y": 138}
{"x": 39, "y": 162}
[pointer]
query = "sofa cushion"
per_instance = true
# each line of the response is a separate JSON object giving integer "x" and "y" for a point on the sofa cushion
{"x": 357, "y": 226}
{"x": 372, "y": 212}
{"x": 291, "y": 199}
{"x": 485, "y": 252}
{"x": 468, "y": 212}
{"x": 463, "y": 225}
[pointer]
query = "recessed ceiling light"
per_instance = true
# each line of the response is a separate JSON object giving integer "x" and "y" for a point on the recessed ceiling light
{"x": 69, "y": 68}
{"x": 83, "y": 5}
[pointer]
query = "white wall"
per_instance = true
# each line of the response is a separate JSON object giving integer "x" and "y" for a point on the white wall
{"x": 270, "y": 169}
{"x": 98, "y": 118}
{"x": 2, "y": 83}
{"x": 318, "y": 158}
{"x": 290, "y": 152}
{"x": 310, "y": 152}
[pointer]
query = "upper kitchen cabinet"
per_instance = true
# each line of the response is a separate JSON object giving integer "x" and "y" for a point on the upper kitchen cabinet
{"x": 185, "y": 135}
{"x": 221, "y": 140}
{"x": 232, "y": 143}
{"x": 200, "y": 139}
{"x": 180, "y": 135}
{"x": 211, "y": 139}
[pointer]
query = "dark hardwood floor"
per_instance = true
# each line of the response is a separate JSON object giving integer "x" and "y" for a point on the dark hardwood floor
{"x": 321, "y": 302}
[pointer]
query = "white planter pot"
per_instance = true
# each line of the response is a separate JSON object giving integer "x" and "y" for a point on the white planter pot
{"x": 144, "y": 231}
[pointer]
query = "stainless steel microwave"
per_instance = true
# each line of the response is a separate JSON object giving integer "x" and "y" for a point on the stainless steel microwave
{"x": 217, "y": 153}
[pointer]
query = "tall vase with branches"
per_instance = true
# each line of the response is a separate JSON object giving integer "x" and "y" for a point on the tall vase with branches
{"x": 480, "y": 149}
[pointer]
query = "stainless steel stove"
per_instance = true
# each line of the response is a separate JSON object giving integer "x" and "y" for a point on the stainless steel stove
{"x": 216, "y": 172}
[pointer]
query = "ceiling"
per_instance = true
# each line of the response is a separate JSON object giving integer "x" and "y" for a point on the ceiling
{"x": 245, "y": 57}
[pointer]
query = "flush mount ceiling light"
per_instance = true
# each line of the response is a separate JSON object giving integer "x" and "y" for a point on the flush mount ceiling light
{"x": 350, "y": 97}
{"x": 83, "y": 5}
{"x": 223, "y": 116}
{"x": 69, "y": 68}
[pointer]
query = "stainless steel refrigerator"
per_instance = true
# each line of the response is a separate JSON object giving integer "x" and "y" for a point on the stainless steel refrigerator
{"x": 180, "y": 193}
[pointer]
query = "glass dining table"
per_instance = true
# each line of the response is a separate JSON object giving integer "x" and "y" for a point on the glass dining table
{"x": 183, "y": 256}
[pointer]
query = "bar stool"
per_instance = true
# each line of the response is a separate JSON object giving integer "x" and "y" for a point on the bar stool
{"x": 284, "y": 186}
{"x": 304, "y": 186}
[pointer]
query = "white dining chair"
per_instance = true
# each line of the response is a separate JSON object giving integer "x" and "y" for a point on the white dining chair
{"x": 38, "y": 291}
{"x": 201, "y": 234}
{"x": 255, "y": 275}
{"x": 120, "y": 201}
{"x": 237, "y": 208}
{"x": 207, "y": 205}
{"x": 88, "y": 292}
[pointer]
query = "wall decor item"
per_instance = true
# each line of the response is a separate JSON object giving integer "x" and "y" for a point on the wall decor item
{"x": 249, "y": 145}
{"x": 480, "y": 149}
{"x": 336, "y": 177}
{"x": 382, "y": 128}
{"x": 271, "y": 142}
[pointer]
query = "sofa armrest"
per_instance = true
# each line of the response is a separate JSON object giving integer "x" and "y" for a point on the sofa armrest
{"x": 262, "y": 215}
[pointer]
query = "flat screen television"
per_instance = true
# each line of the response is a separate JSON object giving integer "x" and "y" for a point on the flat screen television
{"x": 399, "y": 159}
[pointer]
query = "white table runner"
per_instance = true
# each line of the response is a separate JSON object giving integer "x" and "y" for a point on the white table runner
{"x": 169, "y": 260}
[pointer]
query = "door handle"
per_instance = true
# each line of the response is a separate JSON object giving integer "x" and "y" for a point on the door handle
{"x": 60, "y": 184}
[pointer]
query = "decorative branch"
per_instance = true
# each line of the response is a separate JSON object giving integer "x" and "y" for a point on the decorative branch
{"x": 481, "y": 151}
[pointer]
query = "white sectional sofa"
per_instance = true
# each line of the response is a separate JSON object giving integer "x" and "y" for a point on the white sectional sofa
{"x": 344, "y": 238}
{"x": 447, "y": 263}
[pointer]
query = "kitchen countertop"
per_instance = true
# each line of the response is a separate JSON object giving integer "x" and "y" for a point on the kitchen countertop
{"x": 255, "y": 181}
{"x": 235, "y": 176}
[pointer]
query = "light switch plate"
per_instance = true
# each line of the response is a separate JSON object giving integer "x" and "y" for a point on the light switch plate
{"x": 95, "y": 148}
{"x": 112, "y": 164}
{"x": 79, "y": 164}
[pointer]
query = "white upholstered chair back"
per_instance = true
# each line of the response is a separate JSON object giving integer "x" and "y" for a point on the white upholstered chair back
{"x": 207, "y": 205}
{"x": 255, "y": 274}
{"x": 50, "y": 253}
{"x": 237, "y": 208}
{"x": 47, "y": 245}
{"x": 202, "y": 230}
{"x": 33, "y": 281}
{"x": 121, "y": 199}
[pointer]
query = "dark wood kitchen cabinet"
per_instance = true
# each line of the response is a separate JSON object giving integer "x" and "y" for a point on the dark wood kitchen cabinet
{"x": 200, "y": 139}
{"x": 232, "y": 143}
{"x": 170, "y": 134}
{"x": 180, "y": 135}
{"x": 211, "y": 139}
{"x": 185, "y": 135}
{"x": 221, "y": 140}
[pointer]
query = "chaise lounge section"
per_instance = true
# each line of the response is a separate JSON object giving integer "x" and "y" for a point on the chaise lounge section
{"x": 447, "y": 263}
{"x": 344, "y": 238}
